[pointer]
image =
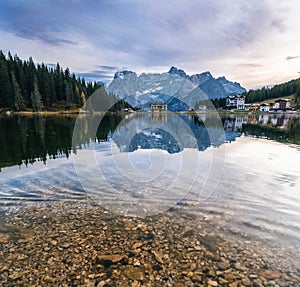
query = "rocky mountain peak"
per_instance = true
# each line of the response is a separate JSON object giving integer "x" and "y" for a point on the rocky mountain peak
{"x": 123, "y": 74}
{"x": 175, "y": 71}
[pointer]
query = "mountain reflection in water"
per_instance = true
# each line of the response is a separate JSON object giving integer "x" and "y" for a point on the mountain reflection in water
{"x": 25, "y": 140}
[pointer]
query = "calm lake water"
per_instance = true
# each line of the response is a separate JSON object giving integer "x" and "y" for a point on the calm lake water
{"x": 243, "y": 168}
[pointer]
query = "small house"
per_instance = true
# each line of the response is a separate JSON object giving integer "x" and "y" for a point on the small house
{"x": 264, "y": 107}
{"x": 254, "y": 107}
{"x": 202, "y": 108}
{"x": 282, "y": 104}
{"x": 127, "y": 110}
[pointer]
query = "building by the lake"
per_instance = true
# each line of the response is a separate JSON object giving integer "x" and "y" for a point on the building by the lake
{"x": 264, "y": 108}
{"x": 254, "y": 107}
{"x": 282, "y": 104}
{"x": 158, "y": 108}
{"x": 236, "y": 102}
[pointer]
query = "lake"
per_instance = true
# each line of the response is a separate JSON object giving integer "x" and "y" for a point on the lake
{"x": 240, "y": 170}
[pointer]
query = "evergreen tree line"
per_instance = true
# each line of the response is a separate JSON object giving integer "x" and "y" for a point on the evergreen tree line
{"x": 25, "y": 85}
{"x": 278, "y": 91}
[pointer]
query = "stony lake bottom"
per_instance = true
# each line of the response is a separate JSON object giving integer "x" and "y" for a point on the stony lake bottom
{"x": 150, "y": 200}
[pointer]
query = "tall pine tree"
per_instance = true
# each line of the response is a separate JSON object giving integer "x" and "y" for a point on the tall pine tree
{"x": 18, "y": 101}
{"x": 37, "y": 103}
{"x": 5, "y": 87}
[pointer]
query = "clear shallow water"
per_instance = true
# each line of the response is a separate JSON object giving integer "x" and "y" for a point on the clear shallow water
{"x": 260, "y": 190}
{"x": 244, "y": 168}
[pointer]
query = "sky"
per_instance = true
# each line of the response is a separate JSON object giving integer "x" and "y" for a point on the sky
{"x": 255, "y": 43}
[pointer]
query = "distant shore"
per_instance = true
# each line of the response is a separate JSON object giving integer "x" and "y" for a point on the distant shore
{"x": 80, "y": 111}
{"x": 43, "y": 112}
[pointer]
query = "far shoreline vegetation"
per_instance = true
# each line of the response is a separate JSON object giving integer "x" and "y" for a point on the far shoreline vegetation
{"x": 28, "y": 88}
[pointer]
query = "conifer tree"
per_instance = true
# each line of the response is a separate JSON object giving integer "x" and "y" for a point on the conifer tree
{"x": 44, "y": 87}
{"x": 5, "y": 87}
{"x": 37, "y": 103}
{"x": 59, "y": 83}
{"x": 18, "y": 101}
{"x": 68, "y": 92}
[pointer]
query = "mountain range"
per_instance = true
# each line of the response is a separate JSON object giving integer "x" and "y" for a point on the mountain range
{"x": 175, "y": 88}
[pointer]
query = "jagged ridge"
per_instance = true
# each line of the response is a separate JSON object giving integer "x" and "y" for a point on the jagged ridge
{"x": 174, "y": 87}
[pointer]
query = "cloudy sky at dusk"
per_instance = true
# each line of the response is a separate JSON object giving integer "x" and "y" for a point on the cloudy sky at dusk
{"x": 255, "y": 42}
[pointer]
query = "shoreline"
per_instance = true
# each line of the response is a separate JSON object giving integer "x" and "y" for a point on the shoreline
{"x": 80, "y": 112}
{"x": 81, "y": 244}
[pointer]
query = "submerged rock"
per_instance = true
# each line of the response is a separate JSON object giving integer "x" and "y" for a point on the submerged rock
{"x": 157, "y": 256}
{"x": 107, "y": 260}
{"x": 135, "y": 273}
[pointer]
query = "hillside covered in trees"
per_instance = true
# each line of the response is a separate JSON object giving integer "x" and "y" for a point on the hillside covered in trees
{"x": 25, "y": 85}
{"x": 278, "y": 91}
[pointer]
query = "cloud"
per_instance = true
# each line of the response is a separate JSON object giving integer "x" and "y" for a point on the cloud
{"x": 108, "y": 68}
{"x": 42, "y": 35}
{"x": 288, "y": 58}
{"x": 33, "y": 21}
{"x": 96, "y": 75}
{"x": 144, "y": 33}
{"x": 250, "y": 65}
{"x": 152, "y": 35}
